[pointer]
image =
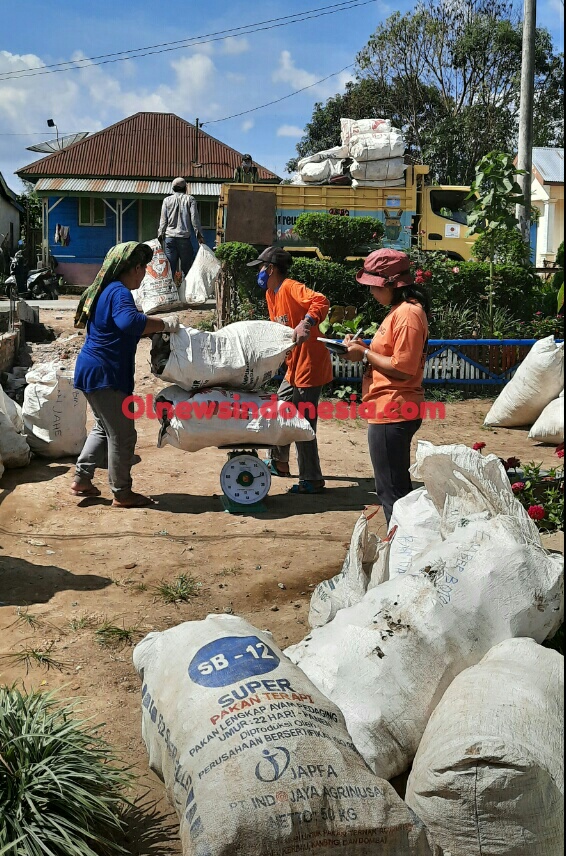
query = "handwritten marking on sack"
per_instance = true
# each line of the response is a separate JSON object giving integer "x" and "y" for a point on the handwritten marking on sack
{"x": 445, "y": 580}
{"x": 232, "y": 659}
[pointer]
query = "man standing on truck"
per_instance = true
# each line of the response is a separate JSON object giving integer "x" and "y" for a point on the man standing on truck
{"x": 179, "y": 218}
{"x": 308, "y": 365}
{"x": 246, "y": 173}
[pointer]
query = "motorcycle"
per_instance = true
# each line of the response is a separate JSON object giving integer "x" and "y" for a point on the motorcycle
{"x": 42, "y": 284}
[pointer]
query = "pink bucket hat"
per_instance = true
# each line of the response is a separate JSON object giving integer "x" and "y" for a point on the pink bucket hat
{"x": 386, "y": 267}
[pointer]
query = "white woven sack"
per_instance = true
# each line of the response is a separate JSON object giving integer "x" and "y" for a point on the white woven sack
{"x": 418, "y": 527}
{"x": 14, "y": 448}
{"x": 225, "y": 417}
{"x": 12, "y": 410}
{"x": 54, "y": 411}
{"x": 549, "y": 427}
{"x": 316, "y": 173}
{"x": 244, "y": 355}
{"x": 488, "y": 777}
{"x": 366, "y": 560}
{"x": 387, "y": 661}
{"x": 390, "y": 169}
{"x": 538, "y": 381}
{"x": 372, "y": 147}
{"x": 157, "y": 292}
{"x": 199, "y": 284}
{"x": 393, "y": 182}
{"x": 336, "y": 153}
{"x": 256, "y": 762}
{"x": 356, "y": 127}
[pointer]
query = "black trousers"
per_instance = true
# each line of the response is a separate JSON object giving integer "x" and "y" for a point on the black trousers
{"x": 390, "y": 453}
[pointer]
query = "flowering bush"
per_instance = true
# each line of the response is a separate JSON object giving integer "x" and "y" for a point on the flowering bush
{"x": 545, "y": 325}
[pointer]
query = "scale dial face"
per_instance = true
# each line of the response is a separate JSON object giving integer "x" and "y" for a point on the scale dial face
{"x": 245, "y": 479}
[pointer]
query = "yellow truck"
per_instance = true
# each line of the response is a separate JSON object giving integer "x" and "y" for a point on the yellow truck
{"x": 430, "y": 217}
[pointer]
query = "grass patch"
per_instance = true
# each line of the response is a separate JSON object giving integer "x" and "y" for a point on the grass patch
{"x": 183, "y": 589}
{"x": 27, "y": 619}
{"x": 82, "y": 622}
{"x": 30, "y": 656}
{"x": 231, "y": 571}
{"x": 110, "y": 635}
{"x": 61, "y": 785}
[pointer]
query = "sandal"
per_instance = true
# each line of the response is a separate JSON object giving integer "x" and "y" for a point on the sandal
{"x": 89, "y": 491}
{"x": 135, "y": 500}
{"x": 274, "y": 469}
{"x": 307, "y": 487}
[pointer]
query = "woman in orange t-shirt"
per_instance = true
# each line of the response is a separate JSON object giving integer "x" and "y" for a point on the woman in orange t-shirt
{"x": 393, "y": 381}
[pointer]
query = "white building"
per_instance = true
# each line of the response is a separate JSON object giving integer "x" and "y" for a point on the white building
{"x": 10, "y": 210}
{"x": 548, "y": 196}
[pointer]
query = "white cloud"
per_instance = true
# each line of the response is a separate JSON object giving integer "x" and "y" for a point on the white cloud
{"x": 234, "y": 46}
{"x": 290, "y": 131}
{"x": 287, "y": 72}
{"x": 247, "y": 125}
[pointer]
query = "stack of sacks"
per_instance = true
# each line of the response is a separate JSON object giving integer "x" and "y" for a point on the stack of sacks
{"x": 386, "y": 660}
{"x": 377, "y": 150}
{"x": 215, "y": 376}
{"x": 322, "y": 166}
{"x": 534, "y": 396}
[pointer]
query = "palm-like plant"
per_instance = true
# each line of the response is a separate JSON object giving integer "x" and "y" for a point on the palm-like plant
{"x": 61, "y": 788}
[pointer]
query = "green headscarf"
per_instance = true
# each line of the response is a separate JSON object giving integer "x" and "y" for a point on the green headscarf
{"x": 116, "y": 260}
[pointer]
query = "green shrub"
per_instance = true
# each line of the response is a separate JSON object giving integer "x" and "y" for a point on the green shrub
{"x": 338, "y": 237}
{"x": 61, "y": 791}
{"x": 248, "y": 301}
{"x": 508, "y": 247}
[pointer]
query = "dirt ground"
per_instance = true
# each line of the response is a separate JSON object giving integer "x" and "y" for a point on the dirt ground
{"x": 74, "y": 564}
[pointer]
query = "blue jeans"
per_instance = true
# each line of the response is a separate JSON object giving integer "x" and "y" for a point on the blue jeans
{"x": 179, "y": 248}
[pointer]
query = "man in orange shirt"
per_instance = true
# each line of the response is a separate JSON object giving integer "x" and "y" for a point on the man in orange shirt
{"x": 308, "y": 365}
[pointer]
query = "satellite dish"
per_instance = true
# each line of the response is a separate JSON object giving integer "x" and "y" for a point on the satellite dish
{"x": 59, "y": 144}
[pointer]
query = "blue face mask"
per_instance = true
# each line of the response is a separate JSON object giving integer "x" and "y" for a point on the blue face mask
{"x": 262, "y": 279}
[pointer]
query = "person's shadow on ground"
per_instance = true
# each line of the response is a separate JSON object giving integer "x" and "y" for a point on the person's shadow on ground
{"x": 23, "y": 583}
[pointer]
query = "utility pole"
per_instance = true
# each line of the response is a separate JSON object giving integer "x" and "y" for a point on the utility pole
{"x": 525, "y": 153}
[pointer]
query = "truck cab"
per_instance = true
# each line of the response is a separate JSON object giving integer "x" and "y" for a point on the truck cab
{"x": 443, "y": 221}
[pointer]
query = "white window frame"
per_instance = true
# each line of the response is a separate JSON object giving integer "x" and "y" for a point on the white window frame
{"x": 214, "y": 209}
{"x": 91, "y": 201}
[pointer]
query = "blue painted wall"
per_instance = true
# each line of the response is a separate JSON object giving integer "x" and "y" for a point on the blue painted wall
{"x": 89, "y": 244}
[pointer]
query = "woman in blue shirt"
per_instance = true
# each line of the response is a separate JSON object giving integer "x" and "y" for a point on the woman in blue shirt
{"x": 105, "y": 370}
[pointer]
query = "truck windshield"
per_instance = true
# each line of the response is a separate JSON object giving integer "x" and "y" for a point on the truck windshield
{"x": 451, "y": 204}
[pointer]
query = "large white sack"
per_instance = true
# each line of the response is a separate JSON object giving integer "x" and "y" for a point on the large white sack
{"x": 315, "y": 173}
{"x": 387, "y": 661}
{"x": 12, "y": 410}
{"x": 488, "y": 779}
{"x": 392, "y": 182}
{"x": 244, "y": 355}
{"x": 255, "y": 760}
{"x": 418, "y": 527}
{"x": 538, "y": 381}
{"x": 54, "y": 411}
{"x": 157, "y": 292}
{"x": 365, "y": 562}
{"x": 549, "y": 427}
{"x": 356, "y": 127}
{"x": 14, "y": 448}
{"x": 336, "y": 153}
{"x": 199, "y": 284}
{"x": 373, "y": 147}
{"x": 390, "y": 169}
{"x": 226, "y": 417}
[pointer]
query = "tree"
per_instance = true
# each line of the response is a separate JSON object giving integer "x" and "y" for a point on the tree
{"x": 494, "y": 194}
{"x": 448, "y": 74}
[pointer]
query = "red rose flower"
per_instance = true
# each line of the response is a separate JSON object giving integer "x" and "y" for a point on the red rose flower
{"x": 427, "y": 274}
{"x": 536, "y": 512}
{"x": 513, "y": 463}
{"x": 518, "y": 487}
{"x": 477, "y": 447}
{"x": 560, "y": 451}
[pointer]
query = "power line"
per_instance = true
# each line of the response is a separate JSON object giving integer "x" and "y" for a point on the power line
{"x": 277, "y": 100}
{"x": 222, "y": 35}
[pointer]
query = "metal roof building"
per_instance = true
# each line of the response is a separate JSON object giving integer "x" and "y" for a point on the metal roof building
{"x": 547, "y": 195}
{"x": 109, "y": 187}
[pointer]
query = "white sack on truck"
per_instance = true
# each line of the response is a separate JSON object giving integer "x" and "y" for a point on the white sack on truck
{"x": 549, "y": 427}
{"x": 227, "y": 417}
{"x": 244, "y": 355}
{"x": 336, "y": 153}
{"x": 373, "y": 147}
{"x": 357, "y": 127}
{"x": 255, "y": 761}
{"x": 199, "y": 284}
{"x": 392, "y": 182}
{"x": 390, "y": 169}
{"x": 538, "y": 381}
{"x": 318, "y": 173}
{"x": 157, "y": 292}
{"x": 54, "y": 411}
{"x": 387, "y": 661}
{"x": 366, "y": 560}
{"x": 489, "y": 774}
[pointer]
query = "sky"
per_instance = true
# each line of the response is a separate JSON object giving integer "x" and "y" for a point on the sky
{"x": 207, "y": 81}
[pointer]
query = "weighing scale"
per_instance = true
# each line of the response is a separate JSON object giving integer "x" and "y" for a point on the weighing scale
{"x": 245, "y": 481}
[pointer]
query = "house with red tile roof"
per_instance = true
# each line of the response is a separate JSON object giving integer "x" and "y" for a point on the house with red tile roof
{"x": 109, "y": 187}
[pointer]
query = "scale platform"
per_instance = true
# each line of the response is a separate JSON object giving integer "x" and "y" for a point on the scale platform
{"x": 245, "y": 481}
